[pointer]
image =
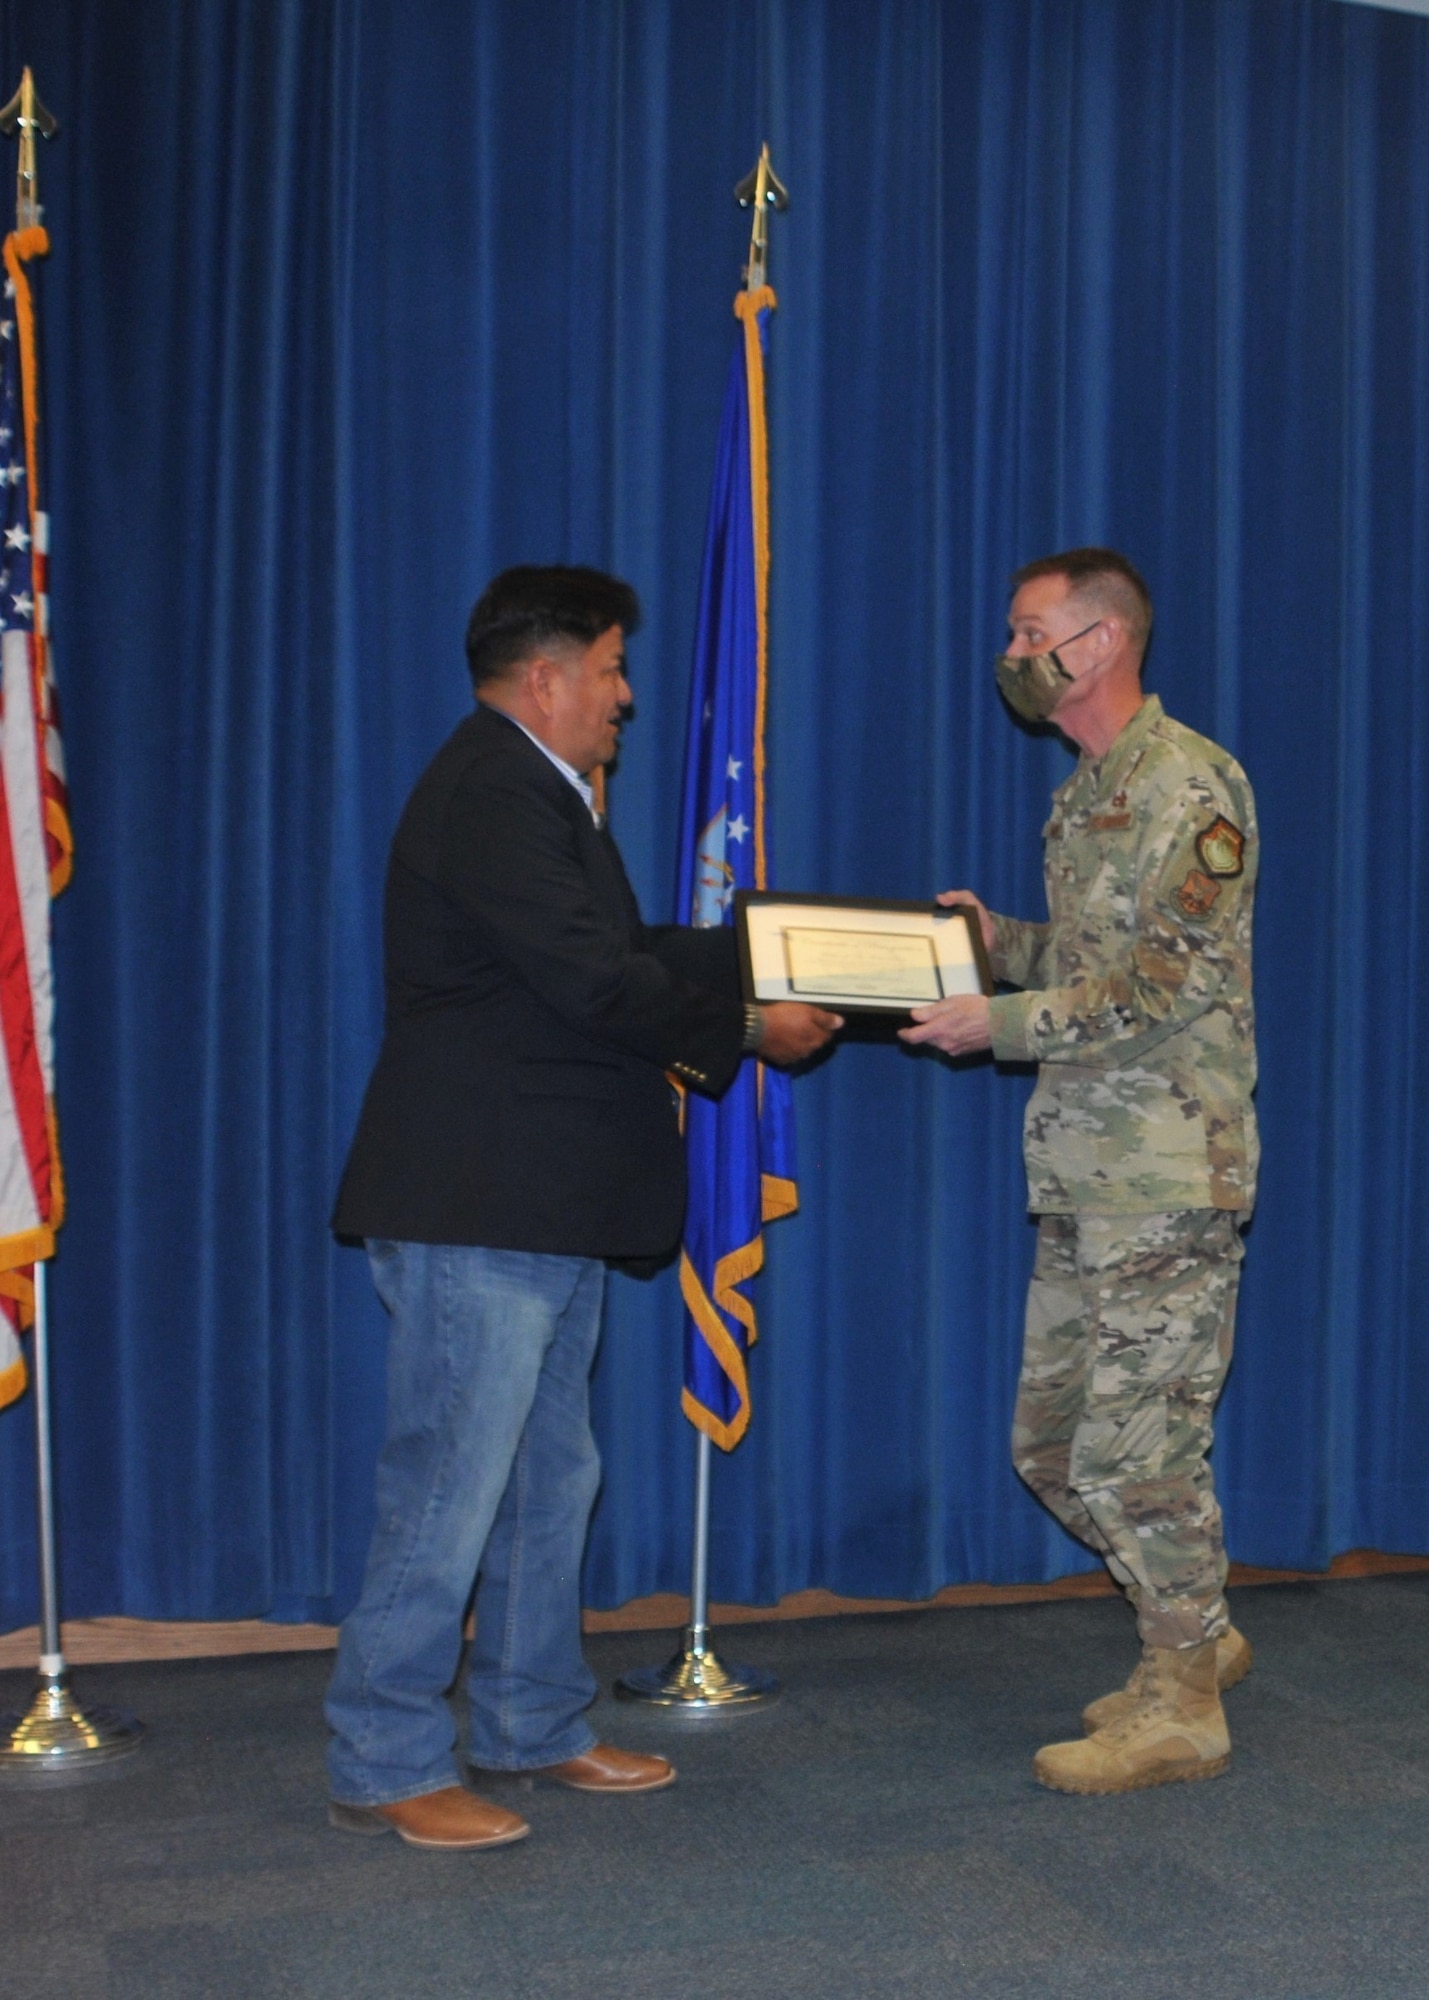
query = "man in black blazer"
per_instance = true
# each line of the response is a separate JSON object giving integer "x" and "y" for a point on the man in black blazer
{"x": 519, "y": 1131}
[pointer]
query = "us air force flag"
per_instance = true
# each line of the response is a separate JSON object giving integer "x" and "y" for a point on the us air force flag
{"x": 741, "y": 1149}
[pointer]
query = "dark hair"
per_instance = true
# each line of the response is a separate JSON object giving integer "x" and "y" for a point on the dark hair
{"x": 1102, "y": 577}
{"x": 524, "y": 609}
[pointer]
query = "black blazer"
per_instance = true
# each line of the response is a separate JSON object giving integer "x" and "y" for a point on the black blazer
{"x": 520, "y": 1099}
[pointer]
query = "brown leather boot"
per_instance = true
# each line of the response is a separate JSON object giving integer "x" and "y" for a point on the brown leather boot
{"x": 1176, "y": 1733}
{"x": 602, "y": 1768}
{"x": 1235, "y": 1656}
{"x": 450, "y": 1818}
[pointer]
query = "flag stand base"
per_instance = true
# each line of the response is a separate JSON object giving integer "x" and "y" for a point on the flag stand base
{"x": 55, "y": 1735}
{"x": 696, "y": 1681}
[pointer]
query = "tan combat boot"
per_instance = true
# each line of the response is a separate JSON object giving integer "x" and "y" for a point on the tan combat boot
{"x": 1176, "y": 1733}
{"x": 1235, "y": 1656}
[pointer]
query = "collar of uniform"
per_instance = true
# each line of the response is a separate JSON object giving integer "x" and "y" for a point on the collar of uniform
{"x": 1108, "y": 770}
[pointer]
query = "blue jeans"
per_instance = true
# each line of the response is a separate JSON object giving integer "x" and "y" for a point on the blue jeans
{"x": 488, "y": 1466}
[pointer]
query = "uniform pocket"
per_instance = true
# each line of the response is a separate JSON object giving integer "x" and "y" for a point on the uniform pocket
{"x": 1119, "y": 1450}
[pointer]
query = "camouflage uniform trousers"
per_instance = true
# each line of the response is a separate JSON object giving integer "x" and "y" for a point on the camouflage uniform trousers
{"x": 1130, "y": 1324}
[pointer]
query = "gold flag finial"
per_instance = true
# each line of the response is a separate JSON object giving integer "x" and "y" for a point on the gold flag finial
{"x": 26, "y": 115}
{"x": 761, "y": 190}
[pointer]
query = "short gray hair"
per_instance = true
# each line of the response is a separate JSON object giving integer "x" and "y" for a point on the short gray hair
{"x": 1104, "y": 578}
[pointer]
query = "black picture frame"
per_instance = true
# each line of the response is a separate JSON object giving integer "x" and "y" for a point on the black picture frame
{"x": 757, "y": 918}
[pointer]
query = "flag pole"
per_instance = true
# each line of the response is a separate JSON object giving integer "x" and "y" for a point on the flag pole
{"x": 55, "y": 1736}
{"x": 695, "y": 1680}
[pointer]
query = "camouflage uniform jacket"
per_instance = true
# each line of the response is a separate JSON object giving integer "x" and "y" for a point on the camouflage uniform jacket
{"x": 1137, "y": 1006}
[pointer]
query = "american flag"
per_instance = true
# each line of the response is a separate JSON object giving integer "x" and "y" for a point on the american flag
{"x": 35, "y": 844}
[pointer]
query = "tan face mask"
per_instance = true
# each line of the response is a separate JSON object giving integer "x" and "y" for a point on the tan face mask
{"x": 1032, "y": 684}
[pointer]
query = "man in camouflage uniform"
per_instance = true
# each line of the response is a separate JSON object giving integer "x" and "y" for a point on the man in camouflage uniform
{"x": 1141, "y": 1149}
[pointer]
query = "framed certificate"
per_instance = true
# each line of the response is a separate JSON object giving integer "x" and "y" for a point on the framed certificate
{"x": 856, "y": 955}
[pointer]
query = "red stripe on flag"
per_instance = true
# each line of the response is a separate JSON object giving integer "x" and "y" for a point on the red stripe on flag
{"x": 53, "y": 791}
{"x": 17, "y": 1024}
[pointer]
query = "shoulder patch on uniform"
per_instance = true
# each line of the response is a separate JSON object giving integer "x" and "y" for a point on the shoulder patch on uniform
{"x": 1222, "y": 847}
{"x": 1197, "y": 894}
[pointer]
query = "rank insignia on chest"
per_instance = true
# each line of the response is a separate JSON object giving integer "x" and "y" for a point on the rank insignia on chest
{"x": 1222, "y": 847}
{"x": 1197, "y": 894}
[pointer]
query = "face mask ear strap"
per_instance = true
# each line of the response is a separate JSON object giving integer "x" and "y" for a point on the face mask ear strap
{"x": 1052, "y": 651}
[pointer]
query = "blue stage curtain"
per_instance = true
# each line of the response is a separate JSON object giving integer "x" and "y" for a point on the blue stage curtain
{"x": 352, "y": 302}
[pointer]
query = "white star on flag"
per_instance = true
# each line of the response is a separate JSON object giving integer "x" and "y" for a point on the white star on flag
{"x": 733, "y": 768}
{"x": 737, "y": 828}
{"x": 17, "y": 537}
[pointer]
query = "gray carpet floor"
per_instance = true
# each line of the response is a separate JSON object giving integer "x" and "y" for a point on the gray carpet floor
{"x": 875, "y": 1831}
